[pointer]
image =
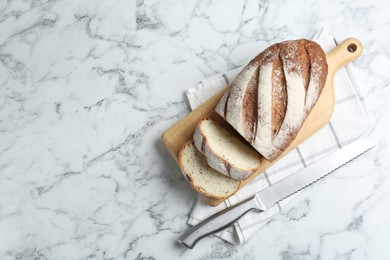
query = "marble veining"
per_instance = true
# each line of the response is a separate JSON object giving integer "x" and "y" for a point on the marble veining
{"x": 88, "y": 87}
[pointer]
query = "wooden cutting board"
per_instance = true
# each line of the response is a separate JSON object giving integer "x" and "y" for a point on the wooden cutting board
{"x": 182, "y": 131}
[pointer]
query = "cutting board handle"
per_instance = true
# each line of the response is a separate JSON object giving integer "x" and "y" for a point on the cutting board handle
{"x": 346, "y": 52}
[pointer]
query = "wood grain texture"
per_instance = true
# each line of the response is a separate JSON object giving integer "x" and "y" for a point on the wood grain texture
{"x": 182, "y": 131}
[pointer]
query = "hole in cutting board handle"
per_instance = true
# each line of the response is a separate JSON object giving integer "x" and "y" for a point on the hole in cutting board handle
{"x": 352, "y": 48}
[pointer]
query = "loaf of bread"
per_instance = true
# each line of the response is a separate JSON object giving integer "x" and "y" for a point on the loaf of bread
{"x": 271, "y": 97}
{"x": 225, "y": 152}
{"x": 202, "y": 177}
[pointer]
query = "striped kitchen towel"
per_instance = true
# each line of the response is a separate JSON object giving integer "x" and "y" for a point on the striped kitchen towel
{"x": 340, "y": 131}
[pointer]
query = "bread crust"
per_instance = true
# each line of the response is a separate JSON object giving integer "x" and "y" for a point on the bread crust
{"x": 279, "y": 86}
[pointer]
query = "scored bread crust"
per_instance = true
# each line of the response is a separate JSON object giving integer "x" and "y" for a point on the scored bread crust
{"x": 217, "y": 161}
{"x": 272, "y": 96}
{"x": 194, "y": 182}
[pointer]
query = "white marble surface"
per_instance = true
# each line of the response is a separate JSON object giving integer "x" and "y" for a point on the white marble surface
{"x": 87, "y": 88}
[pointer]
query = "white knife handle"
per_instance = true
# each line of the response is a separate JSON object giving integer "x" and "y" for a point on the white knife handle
{"x": 219, "y": 221}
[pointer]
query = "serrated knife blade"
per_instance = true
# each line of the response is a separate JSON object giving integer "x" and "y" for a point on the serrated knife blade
{"x": 277, "y": 192}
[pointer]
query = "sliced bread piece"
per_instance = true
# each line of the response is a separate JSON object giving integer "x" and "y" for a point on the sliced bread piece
{"x": 225, "y": 152}
{"x": 202, "y": 177}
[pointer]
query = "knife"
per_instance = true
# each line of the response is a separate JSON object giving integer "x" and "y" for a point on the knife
{"x": 268, "y": 197}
